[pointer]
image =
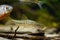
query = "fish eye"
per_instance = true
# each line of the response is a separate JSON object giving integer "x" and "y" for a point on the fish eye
{"x": 6, "y": 7}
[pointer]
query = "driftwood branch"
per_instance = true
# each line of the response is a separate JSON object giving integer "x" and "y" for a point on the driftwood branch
{"x": 24, "y": 36}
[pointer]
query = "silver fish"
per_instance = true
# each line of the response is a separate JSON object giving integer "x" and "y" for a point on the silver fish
{"x": 4, "y": 10}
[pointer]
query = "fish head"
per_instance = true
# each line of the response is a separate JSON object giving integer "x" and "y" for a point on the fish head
{"x": 5, "y": 10}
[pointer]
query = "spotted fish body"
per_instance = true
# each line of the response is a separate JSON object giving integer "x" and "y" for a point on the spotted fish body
{"x": 4, "y": 10}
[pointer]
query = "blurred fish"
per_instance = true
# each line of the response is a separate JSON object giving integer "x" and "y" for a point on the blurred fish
{"x": 39, "y": 3}
{"x": 25, "y": 0}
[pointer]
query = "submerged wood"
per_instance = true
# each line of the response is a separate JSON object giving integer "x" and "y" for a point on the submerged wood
{"x": 24, "y": 36}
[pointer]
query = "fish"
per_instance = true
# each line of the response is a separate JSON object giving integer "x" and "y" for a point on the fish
{"x": 5, "y": 10}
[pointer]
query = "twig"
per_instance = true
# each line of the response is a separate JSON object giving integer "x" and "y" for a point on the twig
{"x": 15, "y": 33}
